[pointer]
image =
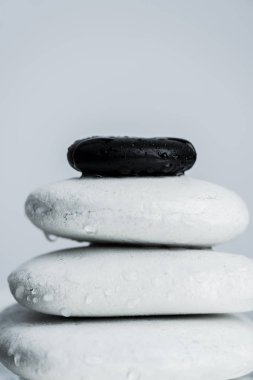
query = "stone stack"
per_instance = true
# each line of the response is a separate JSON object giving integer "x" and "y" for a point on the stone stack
{"x": 151, "y": 231}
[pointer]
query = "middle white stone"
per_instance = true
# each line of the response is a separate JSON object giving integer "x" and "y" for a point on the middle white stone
{"x": 122, "y": 281}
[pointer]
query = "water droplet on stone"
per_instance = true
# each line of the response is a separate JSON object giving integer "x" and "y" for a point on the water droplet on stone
{"x": 90, "y": 230}
{"x": 10, "y": 351}
{"x": 48, "y": 297}
{"x": 65, "y": 312}
{"x": 130, "y": 276}
{"x": 133, "y": 375}
{"x": 19, "y": 293}
{"x": 40, "y": 210}
{"x": 88, "y": 299}
{"x": 17, "y": 358}
{"x": 163, "y": 155}
{"x": 50, "y": 237}
{"x": 108, "y": 292}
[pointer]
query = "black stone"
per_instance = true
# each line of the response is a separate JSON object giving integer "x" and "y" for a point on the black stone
{"x": 130, "y": 156}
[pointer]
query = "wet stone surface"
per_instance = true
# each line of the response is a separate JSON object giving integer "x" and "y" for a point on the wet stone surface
{"x": 127, "y": 156}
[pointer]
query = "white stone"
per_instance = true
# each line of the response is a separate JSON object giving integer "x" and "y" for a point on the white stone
{"x": 186, "y": 348}
{"x": 161, "y": 210}
{"x": 6, "y": 300}
{"x": 123, "y": 281}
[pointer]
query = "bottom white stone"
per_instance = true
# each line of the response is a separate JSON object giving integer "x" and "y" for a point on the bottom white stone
{"x": 39, "y": 347}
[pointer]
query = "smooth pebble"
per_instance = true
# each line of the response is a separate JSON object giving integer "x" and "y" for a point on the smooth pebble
{"x": 125, "y": 281}
{"x": 130, "y": 156}
{"x": 153, "y": 211}
{"x": 186, "y": 348}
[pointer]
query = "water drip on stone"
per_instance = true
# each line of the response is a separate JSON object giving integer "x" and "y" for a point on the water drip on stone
{"x": 108, "y": 292}
{"x": 10, "y": 351}
{"x": 133, "y": 375}
{"x": 17, "y": 358}
{"x": 48, "y": 297}
{"x": 90, "y": 230}
{"x": 50, "y": 237}
{"x": 163, "y": 155}
{"x": 65, "y": 312}
{"x": 19, "y": 292}
{"x": 88, "y": 299}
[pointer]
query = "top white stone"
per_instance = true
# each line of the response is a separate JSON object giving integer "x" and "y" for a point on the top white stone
{"x": 140, "y": 210}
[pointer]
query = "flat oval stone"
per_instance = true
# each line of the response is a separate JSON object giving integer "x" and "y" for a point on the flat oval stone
{"x": 124, "y": 281}
{"x": 129, "y": 156}
{"x": 39, "y": 347}
{"x": 141, "y": 210}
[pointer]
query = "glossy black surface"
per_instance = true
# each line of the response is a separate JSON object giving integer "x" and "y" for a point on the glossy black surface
{"x": 128, "y": 156}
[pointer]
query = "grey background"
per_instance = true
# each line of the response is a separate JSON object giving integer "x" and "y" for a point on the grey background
{"x": 71, "y": 69}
